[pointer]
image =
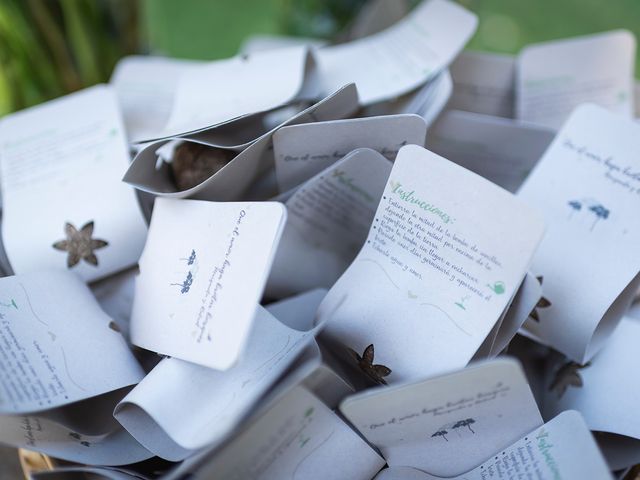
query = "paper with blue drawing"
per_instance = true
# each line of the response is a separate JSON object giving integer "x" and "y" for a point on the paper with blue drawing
{"x": 587, "y": 185}
{"x": 447, "y": 249}
{"x": 198, "y": 304}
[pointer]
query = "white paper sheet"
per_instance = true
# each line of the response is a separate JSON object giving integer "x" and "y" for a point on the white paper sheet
{"x": 56, "y": 346}
{"x": 553, "y": 78}
{"x": 202, "y": 274}
{"x": 499, "y": 149}
{"x": 181, "y": 407}
{"x": 400, "y": 58}
{"x": 298, "y": 437}
{"x": 146, "y": 86}
{"x": 562, "y": 448}
{"x": 450, "y": 424}
{"x": 50, "y": 438}
{"x": 445, "y": 255}
{"x": 302, "y": 151}
{"x": 484, "y": 83}
{"x": 587, "y": 186}
{"x": 327, "y": 223}
{"x": 608, "y": 392}
{"x": 233, "y": 180}
{"x": 64, "y": 202}
{"x": 222, "y": 90}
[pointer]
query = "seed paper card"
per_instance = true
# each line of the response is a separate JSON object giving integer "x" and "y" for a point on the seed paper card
{"x": 223, "y": 90}
{"x": 446, "y": 253}
{"x": 302, "y": 151}
{"x": 402, "y": 57}
{"x": 50, "y": 438}
{"x": 588, "y": 187}
{"x": 146, "y": 87}
{"x": 181, "y": 407}
{"x": 327, "y": 223}
{"x": 56, "y": 345}
{"x": 202, "y": 273}
{"x": 600, "y": 389}
{"x": 61, "y": 165}
{"x": 484, "y": 83}
{"x": 298, "y": 437}
{"x": 450, "y": 424}
{"x": 499, "y": 149}
{"x": 555, "y": 77}
{"x": 235, "y": 178}
{"x": 561, "y": 448}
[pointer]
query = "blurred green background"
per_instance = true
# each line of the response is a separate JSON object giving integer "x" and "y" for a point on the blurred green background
{"x": 51, "y": 47}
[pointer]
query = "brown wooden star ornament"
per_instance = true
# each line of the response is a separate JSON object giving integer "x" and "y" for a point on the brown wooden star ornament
{"x": 80, "y": 245}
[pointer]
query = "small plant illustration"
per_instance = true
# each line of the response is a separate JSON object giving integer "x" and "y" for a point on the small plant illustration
{"x": 566, "y": 376}
{"x": 80, "y": 245}
{"x": 467, "y": 422}
{"x": 600, "y": 212}
{"x": 365, "y": 363}
{"x": 191, "y": 259}
{"x": 498, "y": 287}
{"x": 9, "y": 304}
{"x": 542, "y": 303}
{"x": 186, "y": 285}
{"x": 575, "y": 206}
{"x": 461, "y": 302}
{"x": 441, "y": 433}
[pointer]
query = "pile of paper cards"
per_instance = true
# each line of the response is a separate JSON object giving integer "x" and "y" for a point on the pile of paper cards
{"x": 254, "y": 269}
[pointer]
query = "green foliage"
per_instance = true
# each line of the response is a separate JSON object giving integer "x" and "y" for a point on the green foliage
{"x": 49, "y": 48}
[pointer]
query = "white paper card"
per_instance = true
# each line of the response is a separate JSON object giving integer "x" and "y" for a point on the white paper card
{"x": 302, "y": 151}
{"x": 202, "y": 274}
{"x": 562, "y": 448}
{"x": 450, "y": 424}
{"x": 56, "y": 346}
{"x": 210, "y": 94}
{"x": 602, "y": 390}
{"x": 445, "y": 255}
{"x": 62, "y": 164}
{"x": 146, "y": 87}
{"x": 327, "y": 223}
{"x": 499, "y": 149}
{"x": 50, "y": 438}
{"x": 298, "y": 437}
{"x": 181, "y": 407}
{"x": 554, "y": 78}
{"x": 587, "y": 185}
{"x": 402, "y": 57}
{"x": 483, "y": 83}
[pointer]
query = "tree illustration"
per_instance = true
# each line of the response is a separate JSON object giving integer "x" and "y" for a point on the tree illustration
{"x": 441, "y": 433}
{"x": 576, "y": 206}
{"x": 465, "y": 423}
{"x": 600, "y": 212}
{"x": 567, "y": 375}
{"x": 365, "y": 363}
{"x": 542, "y": 303}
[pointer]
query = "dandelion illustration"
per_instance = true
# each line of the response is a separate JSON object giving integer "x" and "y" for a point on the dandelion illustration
{"x": 542, "y": 303}
{"x": 186, "y": 285}
{"x": 600, "y": 212}
{"x": 365, "y": 362}
{"x": 575, "y": 206}
{"x": 80, "y": 245}
{"x": 566, "y": 376}
{"x": 441, "y": 433}
{"x": 467, "y": 422}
